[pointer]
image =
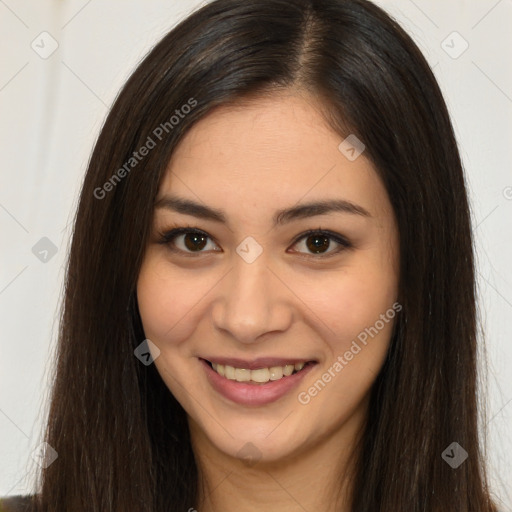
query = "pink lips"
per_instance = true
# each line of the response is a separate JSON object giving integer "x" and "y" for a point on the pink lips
{"x": 249, "y": 393}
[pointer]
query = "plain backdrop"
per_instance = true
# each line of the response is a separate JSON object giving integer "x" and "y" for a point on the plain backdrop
{"x": 53, "y": 105}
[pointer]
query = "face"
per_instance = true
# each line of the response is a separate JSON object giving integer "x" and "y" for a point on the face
{"x": 261, "y": 283}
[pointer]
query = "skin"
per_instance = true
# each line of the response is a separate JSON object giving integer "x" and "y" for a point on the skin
{"x": 250, "y": 160}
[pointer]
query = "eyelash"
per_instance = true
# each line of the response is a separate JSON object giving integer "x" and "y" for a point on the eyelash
{"x": 167, "y": 237}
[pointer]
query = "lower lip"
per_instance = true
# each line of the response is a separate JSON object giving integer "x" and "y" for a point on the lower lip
{"x": 254, "y": 394}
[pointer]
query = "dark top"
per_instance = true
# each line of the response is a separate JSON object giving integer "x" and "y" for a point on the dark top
{"x": 15, "y": 504}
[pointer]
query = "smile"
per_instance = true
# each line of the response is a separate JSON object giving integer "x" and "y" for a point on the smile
{"x": 258, "y": 385}
{"x": 260, "y": 375}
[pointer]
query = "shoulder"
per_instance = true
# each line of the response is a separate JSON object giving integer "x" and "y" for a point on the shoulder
{"x": 15, "y": 503}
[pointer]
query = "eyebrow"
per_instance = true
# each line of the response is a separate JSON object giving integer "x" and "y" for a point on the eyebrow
{"x": 305, "y": 210}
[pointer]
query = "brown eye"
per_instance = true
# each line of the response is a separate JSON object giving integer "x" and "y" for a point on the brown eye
{"x": 186, "y": 240}
{"x": 319, "y": 242}
{"x": 193, "y": 241}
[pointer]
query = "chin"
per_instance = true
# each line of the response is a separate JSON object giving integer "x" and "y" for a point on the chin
{"x": 265, "y": 441}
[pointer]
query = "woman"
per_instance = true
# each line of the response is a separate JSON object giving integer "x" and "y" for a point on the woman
{"x": 270, "y": 294}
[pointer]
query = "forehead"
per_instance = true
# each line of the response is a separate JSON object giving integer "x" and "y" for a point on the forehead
{"x": 264, "y": 129}
{"x": 269, "y": 151}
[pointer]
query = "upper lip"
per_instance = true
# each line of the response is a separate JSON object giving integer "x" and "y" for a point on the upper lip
{"x": 254, "y": 364}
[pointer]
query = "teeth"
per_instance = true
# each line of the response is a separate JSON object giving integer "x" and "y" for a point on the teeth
{"x": 276, "y": 372}
{"x": 261, "y": 375}
{"x": 288, "y": 369}
{"x": 242, "y": 375}
{"x": 229, "y": 372}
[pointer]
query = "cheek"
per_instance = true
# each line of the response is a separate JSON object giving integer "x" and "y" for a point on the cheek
{"x": 360, "y": 310}
{"x": 352, "y": 301}
{"x": 167, "y": 300}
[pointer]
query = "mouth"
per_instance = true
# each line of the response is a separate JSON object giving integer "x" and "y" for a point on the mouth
{"x": 259, "y": 375}
{"x": 255, "y": 383}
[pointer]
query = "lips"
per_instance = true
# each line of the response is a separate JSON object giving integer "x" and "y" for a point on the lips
{"x": 249, "y": 393}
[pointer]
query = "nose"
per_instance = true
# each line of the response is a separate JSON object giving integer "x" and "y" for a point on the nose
{"x": 252, "y": 301}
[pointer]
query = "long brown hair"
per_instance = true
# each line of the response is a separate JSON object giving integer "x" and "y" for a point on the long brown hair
{"x": 121, "y": 437}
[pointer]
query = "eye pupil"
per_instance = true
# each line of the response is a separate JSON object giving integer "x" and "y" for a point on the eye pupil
{"x": 191, "y": 240}
{"x": 320, "y": 242}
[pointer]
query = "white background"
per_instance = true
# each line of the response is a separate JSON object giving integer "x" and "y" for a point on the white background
{"x": 52, "y": 109}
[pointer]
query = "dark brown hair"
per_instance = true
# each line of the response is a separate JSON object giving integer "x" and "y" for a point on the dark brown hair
{"x": 121, "y": 437}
